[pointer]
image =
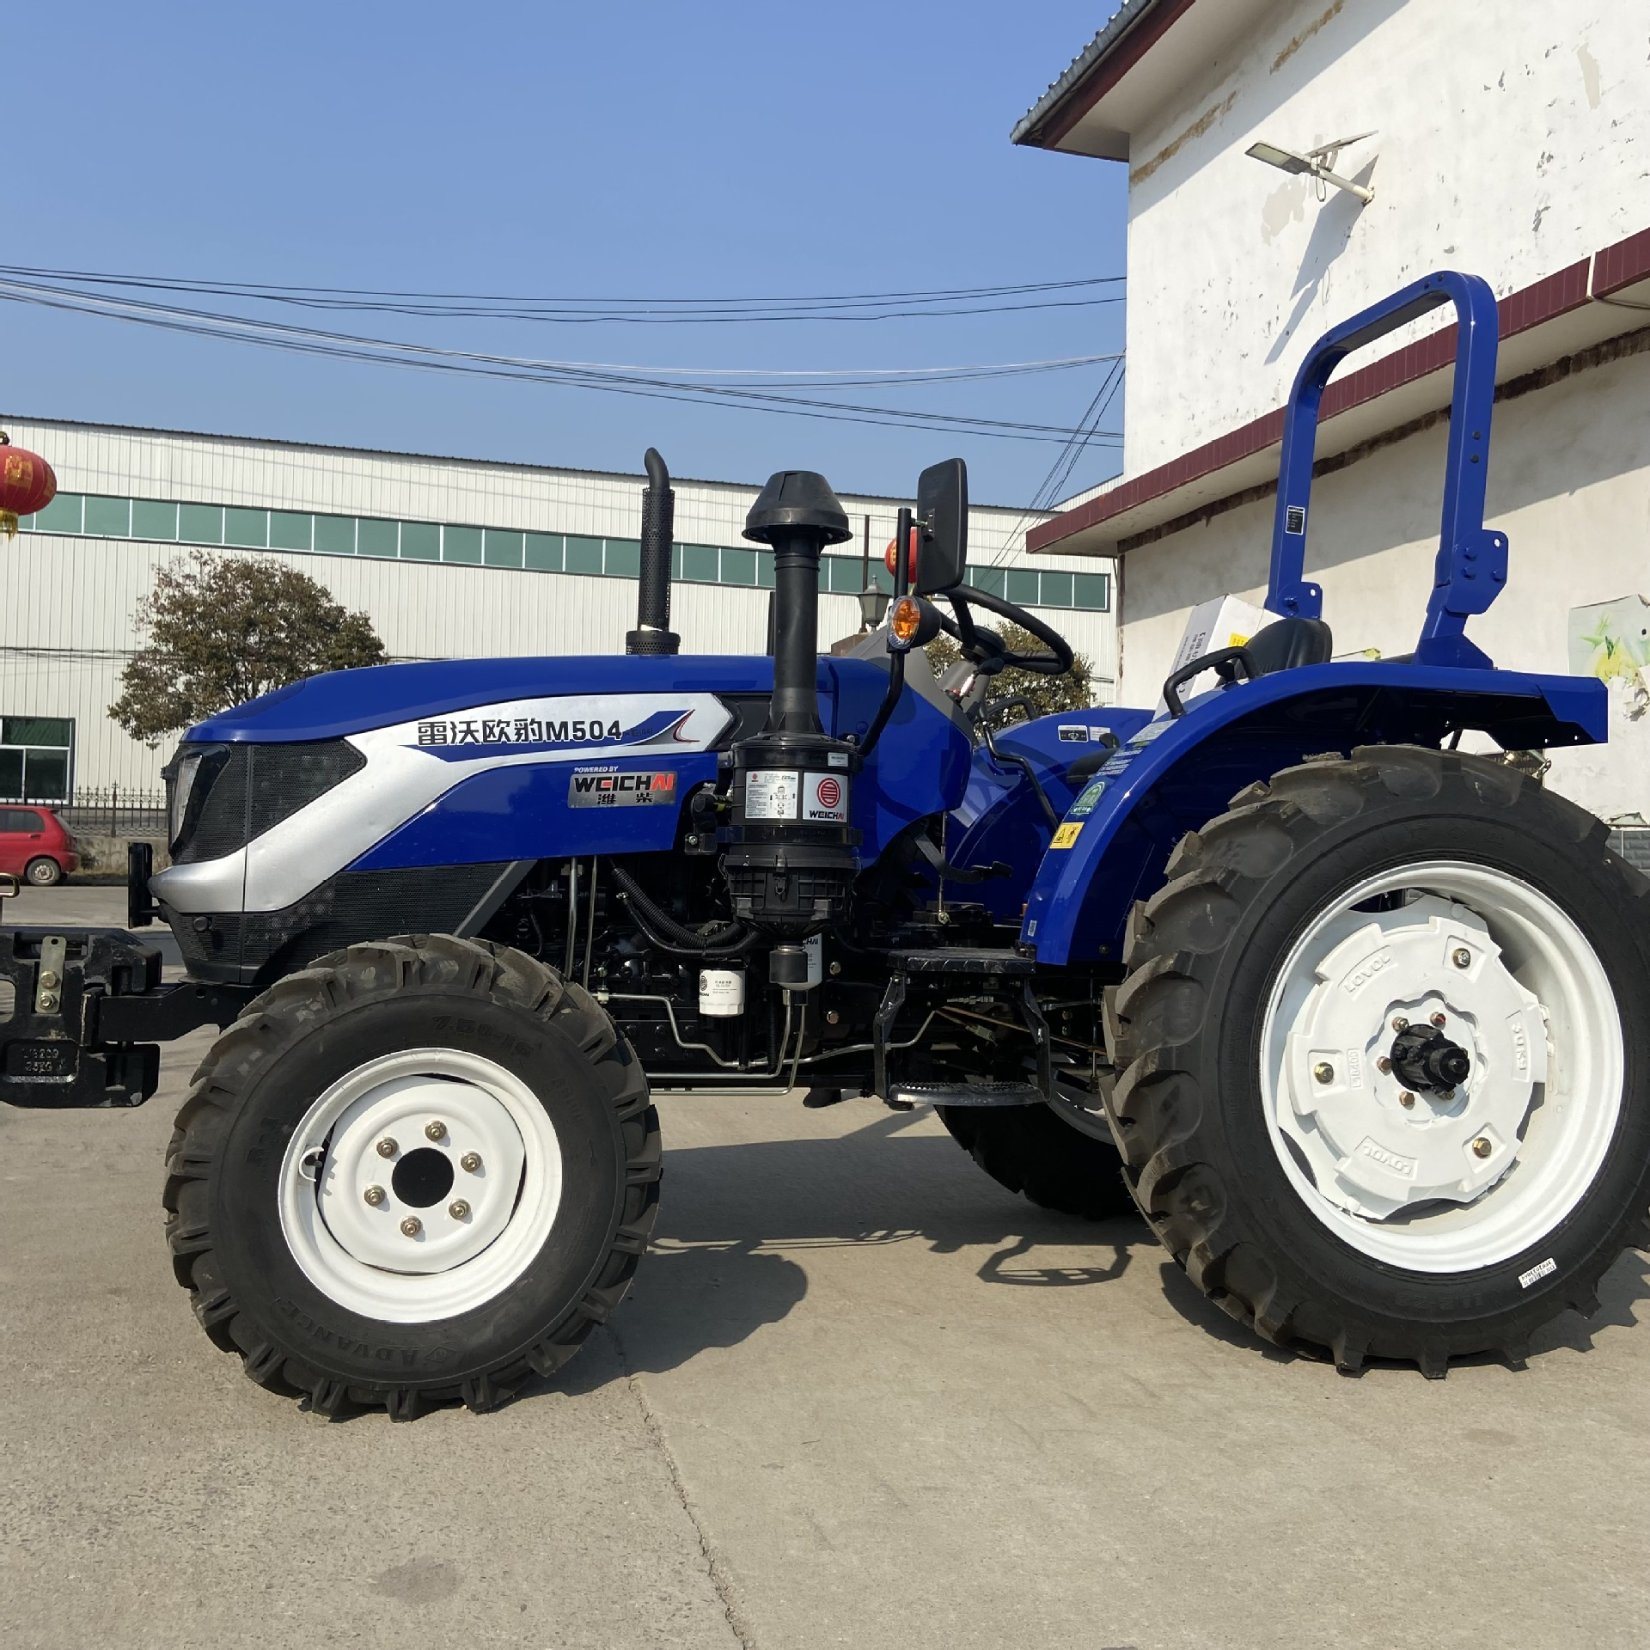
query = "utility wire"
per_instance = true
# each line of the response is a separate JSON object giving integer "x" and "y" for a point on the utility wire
{"x": 1059, "y": 472}
{"x": 347, "y": 346}
{"x": 584, "y": 310}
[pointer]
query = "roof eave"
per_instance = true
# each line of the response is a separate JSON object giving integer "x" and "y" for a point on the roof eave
{"x": 1084, "y": 81}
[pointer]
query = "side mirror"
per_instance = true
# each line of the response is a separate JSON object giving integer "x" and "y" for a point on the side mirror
{"x": 942, "y": 516}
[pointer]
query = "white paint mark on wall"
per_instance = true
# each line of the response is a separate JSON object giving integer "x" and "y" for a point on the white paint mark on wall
{"x": 1589, "y": 75}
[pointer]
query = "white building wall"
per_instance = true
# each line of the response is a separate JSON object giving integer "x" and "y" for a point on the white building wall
{"x": 1513, "y": 138}
{"x": 1570, "y": 485}
{"x": 67, "y": 603}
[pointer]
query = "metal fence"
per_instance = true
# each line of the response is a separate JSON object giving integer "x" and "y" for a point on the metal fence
{"x": 115, "y": 811}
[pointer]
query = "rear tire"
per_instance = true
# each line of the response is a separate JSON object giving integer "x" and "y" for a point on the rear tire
{"x": 42, "y": 872}
{"x": 1034, "y": 1150}
{"x": 417, "y": 1172}
{"x": 1303, "y": 1177}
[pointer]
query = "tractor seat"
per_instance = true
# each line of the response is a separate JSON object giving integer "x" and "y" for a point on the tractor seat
{"x": 1286, "y": 643}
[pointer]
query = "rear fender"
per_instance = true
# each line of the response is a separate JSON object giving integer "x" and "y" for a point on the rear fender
{"x": 1175, "y": 774}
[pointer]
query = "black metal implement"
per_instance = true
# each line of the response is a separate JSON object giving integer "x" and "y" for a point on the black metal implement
{"x": 88, "y": 1013}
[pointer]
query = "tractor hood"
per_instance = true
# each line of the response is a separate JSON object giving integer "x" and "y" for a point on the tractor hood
{"x": 345, "y": 702}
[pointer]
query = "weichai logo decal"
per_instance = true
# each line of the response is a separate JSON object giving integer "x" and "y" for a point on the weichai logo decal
{"x": 620, "y": 790}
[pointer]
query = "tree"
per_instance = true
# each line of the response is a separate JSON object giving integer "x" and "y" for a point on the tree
{"x": 1046, "y": 694}
{"x": 219, "y": 630}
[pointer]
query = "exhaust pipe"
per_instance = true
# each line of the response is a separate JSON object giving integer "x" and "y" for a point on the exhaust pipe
{"x": 653, "y": 635}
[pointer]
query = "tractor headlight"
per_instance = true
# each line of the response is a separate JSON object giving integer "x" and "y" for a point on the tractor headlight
{"x": 180, "y": 782}
{"x": 189, "y": 777}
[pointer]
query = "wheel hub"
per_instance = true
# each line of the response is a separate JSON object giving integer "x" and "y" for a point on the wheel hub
{"x": 420, "y": 1185}
{"x": 1424, "y": 1058}
{"x": 1386, "y": 1122}
{"x": 425, "y": 1183}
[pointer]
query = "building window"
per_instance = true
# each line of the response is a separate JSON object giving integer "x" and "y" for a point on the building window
{"x": 335, "y": 535}
{"x": 165, "y": 522}
{"x": 62, "y": 515}
{"x": 420, "y": 541}
{"x": 153, "y": 520}
{"x": 200, "y": 523}
{"x": 623, "y": 559}
{"x": 36, "y": 758}
{"x": 584, "y": 555}
{"x": 109, "y": 518}
{"x": 501, "y": 548}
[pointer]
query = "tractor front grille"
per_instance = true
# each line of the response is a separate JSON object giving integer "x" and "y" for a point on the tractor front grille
{"x": 249, "y": 789}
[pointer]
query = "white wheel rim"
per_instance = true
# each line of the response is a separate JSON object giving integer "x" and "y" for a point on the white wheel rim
{"x": 1456, "y": 1181}
{"x": 344, "y": 1202}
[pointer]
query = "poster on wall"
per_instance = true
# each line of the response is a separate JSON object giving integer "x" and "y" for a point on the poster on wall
{"x": 1611, "y": 640}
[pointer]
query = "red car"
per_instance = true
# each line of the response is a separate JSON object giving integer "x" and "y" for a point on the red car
{"x": 35, "y": 846}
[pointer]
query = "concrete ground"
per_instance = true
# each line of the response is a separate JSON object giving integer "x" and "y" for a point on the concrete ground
{"x": 860, "y": 1396}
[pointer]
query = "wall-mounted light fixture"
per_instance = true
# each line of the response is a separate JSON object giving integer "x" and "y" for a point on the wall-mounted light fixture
{"x": 1316, "y": 163}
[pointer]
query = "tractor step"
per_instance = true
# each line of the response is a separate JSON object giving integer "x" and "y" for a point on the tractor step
{"x": 934, "y": 977}
{"x": 985, "y": 1092}
{"x": 966, "y": 961}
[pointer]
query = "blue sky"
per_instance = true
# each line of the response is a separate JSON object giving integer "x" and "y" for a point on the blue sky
{"x": 555, "y": 150}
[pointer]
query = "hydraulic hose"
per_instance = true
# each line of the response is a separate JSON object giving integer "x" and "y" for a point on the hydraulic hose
{"x": 670, "y": 935}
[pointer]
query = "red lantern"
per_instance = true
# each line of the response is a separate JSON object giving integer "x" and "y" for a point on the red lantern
{"x": 911, "y": 563}
{"x": 26, "y": 484}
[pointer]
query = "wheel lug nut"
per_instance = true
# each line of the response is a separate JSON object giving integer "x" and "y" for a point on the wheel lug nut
{"x": 1462, "y": 958}
{"x": 459, "y": 1210}
{"x": 374, "y": 1196}
{"x": 387, "y": 1147}
{"x": 411, "y": 1226}
{"x": 470, "y": 1161}
{"x": 1399, "y": 1023}
{"x": 1324, "y": 1072}
{"x": 1481, "y": 1147}
{"x": 1406, "y": 1099}
{"x": 1383, "y": 1064}
{"x": 1438, "y": 1019}
{"x": 436, "y": 1131}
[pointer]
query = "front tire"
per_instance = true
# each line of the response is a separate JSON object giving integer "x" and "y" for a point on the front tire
{"x": 1289, "y": 1114}
{"x": 416, "y": 1172}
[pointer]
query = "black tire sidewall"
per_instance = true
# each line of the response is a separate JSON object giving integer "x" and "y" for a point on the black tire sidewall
{"x": 54, "y": 872}
{"x": 1534, "y": 845}
{"x": 272, "y": 1289}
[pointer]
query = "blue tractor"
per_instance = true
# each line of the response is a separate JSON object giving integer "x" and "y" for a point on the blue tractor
{"x": 1356, "y": 1018}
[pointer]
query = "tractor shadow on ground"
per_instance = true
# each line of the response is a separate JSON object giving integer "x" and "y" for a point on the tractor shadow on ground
{"x": 738, "y": 1221}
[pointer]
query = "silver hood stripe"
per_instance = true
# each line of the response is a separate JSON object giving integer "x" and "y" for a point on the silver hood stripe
{"x": 401, "y": 779}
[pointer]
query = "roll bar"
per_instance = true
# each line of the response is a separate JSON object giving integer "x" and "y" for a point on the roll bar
{"x": 1471, "y": 569}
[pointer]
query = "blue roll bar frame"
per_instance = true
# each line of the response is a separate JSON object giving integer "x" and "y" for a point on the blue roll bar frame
{"x": 1471, "y": 568}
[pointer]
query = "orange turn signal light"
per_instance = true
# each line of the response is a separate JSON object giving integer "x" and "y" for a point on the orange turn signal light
{"x": 912, "y": 622}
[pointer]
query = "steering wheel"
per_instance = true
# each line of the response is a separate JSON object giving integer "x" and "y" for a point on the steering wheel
{"x": 985, "y": 650}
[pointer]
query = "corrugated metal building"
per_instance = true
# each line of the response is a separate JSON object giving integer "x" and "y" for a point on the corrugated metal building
{"x": 450, "y": 557}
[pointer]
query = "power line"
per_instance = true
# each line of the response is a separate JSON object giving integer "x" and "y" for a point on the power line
{"x": 667, "y": 309}
{"x": 393, "y": 352}
{"x": 1059, "y": 472}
